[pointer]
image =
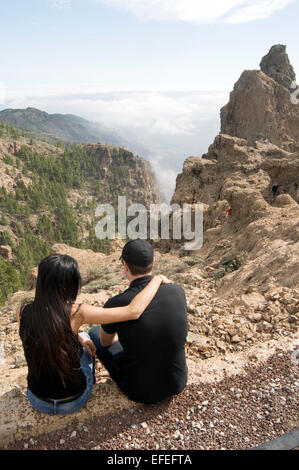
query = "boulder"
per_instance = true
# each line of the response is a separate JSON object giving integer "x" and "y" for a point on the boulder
{"x": 254, "y": 300}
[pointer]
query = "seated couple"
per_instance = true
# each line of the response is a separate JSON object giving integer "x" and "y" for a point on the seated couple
{"x": 141, "y": 340}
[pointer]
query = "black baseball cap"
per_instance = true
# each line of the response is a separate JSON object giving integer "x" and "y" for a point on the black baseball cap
{"x": 138, "y": 252}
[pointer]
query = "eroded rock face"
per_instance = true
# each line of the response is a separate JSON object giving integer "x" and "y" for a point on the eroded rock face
{"x": 258, "y": 148}
{"x": 139, "y": 181}
{"x": 276, "y": 64}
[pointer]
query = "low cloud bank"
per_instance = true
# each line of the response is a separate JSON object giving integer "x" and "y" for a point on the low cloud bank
{"x": 163, "y": 126}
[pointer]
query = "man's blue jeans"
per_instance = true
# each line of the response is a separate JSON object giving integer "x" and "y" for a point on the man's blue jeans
{"x": 87, "y": 366}
{"x": 111, "y": 357}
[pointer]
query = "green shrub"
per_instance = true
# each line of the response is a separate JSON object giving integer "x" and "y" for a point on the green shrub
{"x": 9, "y": 280}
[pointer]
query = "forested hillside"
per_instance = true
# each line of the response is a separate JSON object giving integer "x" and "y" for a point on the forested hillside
{"x": 49, "y": 195}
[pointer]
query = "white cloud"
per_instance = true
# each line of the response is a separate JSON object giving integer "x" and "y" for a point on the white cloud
{"x": 200, "y": 11}
{"x": 192, "y": 11}
{"x": 160, "y": 112}
{"x": 256, "y": 11}
{"x": 166, "y": 178}
{"x": 163, "y": 126}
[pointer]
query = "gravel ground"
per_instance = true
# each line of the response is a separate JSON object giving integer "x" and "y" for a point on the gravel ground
{"x": 239, "y": 412}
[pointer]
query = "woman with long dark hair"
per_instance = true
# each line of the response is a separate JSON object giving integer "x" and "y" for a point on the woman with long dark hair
{"x": 60, "y": 361}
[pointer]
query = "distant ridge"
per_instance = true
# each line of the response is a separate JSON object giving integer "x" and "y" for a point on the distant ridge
{"x": 59, "y": 127}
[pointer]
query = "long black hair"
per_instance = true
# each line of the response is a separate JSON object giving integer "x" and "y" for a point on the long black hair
{"x": 49, "y": 331}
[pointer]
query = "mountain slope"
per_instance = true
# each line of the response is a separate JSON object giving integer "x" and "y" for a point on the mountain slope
{"x": 56, "y": 127}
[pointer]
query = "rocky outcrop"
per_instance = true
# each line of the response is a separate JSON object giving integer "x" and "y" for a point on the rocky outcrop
{"x": 258, "y": 148}
{"x": 276, "y": 64}
{"x": 260, "y": 108}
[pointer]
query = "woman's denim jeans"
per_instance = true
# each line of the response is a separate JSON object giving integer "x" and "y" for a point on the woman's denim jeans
{"x": 87, "y": 365}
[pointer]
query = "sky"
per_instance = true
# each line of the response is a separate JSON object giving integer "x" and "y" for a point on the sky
{"x": 155, "y": 71}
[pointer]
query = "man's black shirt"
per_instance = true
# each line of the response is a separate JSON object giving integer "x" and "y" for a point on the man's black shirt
{"x": 154, "y": 345}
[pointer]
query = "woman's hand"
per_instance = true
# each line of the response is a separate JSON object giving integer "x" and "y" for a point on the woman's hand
{"x": 165, "y": 279}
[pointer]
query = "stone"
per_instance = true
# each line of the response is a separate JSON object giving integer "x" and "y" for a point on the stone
{"x": 253, "y": 300}
{"x": 202, "y": 343}
{"x": 178, "y": 435}
{"x": 276, "y": 64}
{"x": 256, "y": 317}
{"x": 235, "y": 339}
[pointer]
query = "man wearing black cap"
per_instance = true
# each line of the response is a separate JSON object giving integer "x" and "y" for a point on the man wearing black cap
{"x": 146, "y": 357}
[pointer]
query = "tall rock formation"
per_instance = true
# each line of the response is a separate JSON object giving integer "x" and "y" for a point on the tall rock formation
{"x": 258, "y": 148}
{"x": 260, "y": 106}
{"x": 276, "y": 65}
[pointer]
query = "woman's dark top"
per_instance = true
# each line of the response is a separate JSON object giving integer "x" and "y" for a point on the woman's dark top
{"x": 49, "y": 383}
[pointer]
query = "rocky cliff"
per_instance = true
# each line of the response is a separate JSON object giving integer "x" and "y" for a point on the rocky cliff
{"x": 256, "y": 248}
